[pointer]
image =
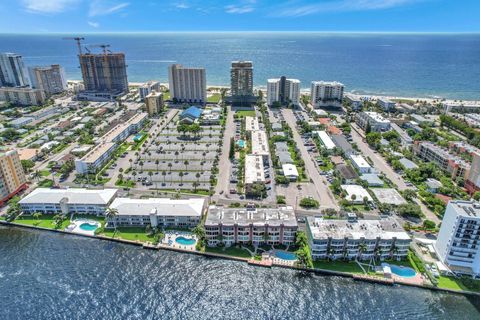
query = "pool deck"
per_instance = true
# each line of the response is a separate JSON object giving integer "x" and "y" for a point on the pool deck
{"x": 170, "y": 240}
{"x": 74, "y": 227}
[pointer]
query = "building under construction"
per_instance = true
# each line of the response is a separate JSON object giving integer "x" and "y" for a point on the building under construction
{"x": 104, "y": 73}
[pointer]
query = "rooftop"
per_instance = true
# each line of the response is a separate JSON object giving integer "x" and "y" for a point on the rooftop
{"x": 193, "y": 112}
{"x": 97, "y": 152}
{"x": 254, "y": 171}
{"x": 244, "y": 216}
{"x": 377, "y": 117}
{"x": 464, "y": 208}
{"x": 73, "y": 196}
{"x": 159, "y": 206}
{"x": 251, "y": 123}
{"x": 388, "y": 196}
{"x": 326, "y": 140}
{"x": 359, "y": 192}
{"x": 260, "y": 143}
{"x": 359, "y": 161}
{"x": 362, "y": 229}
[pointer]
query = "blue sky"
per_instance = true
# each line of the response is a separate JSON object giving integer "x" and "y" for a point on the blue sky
{"x": 239, "y": 15}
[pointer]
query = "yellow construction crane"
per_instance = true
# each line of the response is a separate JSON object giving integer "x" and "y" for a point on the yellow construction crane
{"x": 78, "y": 40}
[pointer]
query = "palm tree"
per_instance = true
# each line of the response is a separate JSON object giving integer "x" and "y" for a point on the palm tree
{"x": 157, "y": 163}
{"x": 195, "y": 185}
{"x": 170, "y": 167}
{"x": 164, "y": 173}
{"x": 141, "y": 166}
{"x": 176, "y": 155}
{"x": 134, "y": 173}
{"x": 130, "y": 160}
{"x": 197, "y": 175}
{"x": 150, "y": 174}
{"x": 111, "y": 213}
{"x": 362, "y": 247}
{"x": 181, "y": 177}
{"x": 186, "y": 163}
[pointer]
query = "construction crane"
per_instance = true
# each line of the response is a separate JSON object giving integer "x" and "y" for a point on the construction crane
{"x": 103, "y": 46}
{"x": 78, "y": 40}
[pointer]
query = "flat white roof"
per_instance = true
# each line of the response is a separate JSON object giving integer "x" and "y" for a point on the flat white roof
{"x": 385, "y": 229}
{"x": 388, "y": 196}
{"x": 359, "y": 192}
{"x": 160, "y": 206}
{"x": 73, "y": 196}
{"x": 377, "y": 117}
{"x": 251, "y": 123}
{"x": 289, "y": 170}
{"x": 97, "y": 152}
{"x": 260, "y": 143}
{"x": 326, "y": 140}
{"x": 359, "y": 161}
{"x": 254, "y": 171}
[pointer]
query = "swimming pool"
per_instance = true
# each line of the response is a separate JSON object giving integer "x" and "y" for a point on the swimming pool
{"x": 87, "y": 226}
{"x": 241, "y": 143}
{"x": 138, "y": 137}
{"x": 404, "y": 272}
{"x": 185, "y": 241}
{"x": 285, "y": 255}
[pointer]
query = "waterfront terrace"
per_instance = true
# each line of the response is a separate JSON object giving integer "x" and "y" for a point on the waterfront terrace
{"x": 250, "y": 225}
{"x": 352, "y": 238}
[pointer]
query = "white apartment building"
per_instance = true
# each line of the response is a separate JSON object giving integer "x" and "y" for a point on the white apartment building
{"x": 157, "y": 212}
{"x": 284, "y": 91}
{"x": 374, "y": 119}
{"x": 251, "y": 124}
{"x": 386, "y": 104}
{"x": 357, "y": 239}
{"x": 250, "y": 225}
{"x": 13, "y": 72}
{"x": 187, "y": 84}
{"x": 23, "y": 96}
{"x": 145, "y": 89}
{"x": 458, "y": 242}
{"x": 361, "y": 164}
{"x": 254, "y": 171}
{"x": 259, "y": 142}
{"x": 326, "y": 94}
{"x": 50, "y": 79}
{"x": 67, "y": 201}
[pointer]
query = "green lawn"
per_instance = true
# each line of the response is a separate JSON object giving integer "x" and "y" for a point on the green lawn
{"x": 128, "y": 233}
{"x": 215, "y": 98}
{"x": 125, "y": 183}
{"x": 459, "y": 284}
{"x": 342, "y": 266}
{"x": 44, "y": 173}
{"x": 45, "y": 221}
{"x": 46, "y": 183}
{"x": 245, "y": 113}
{"x": 231, "y": 251}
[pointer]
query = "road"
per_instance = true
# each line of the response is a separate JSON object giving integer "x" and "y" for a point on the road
{"x": 381, "y": 164}
{"x": 324, "y": 194}
{"x": 224, "y": 164}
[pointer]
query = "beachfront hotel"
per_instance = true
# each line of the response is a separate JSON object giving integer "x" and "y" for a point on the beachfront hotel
{"x": 326, "y": 94}
{"x": 250, "y": 225}
{"x": 283, "y": 91}
{"x": 187, "y": 84}
{"x": 67, "y": 201}
{"x": 458, "y": 242}
{"x": 157, "y": 212}
{"x": 357, "y": 239}
{"x": 12, "y": 177}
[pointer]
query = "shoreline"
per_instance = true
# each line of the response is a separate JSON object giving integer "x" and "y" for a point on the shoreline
{"x": 353, "y": 92}
{"x": 324, "y": 272}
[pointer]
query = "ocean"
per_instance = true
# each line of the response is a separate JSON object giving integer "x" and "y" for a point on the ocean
{"x": 418, "y": 65}
{"x": 45, "y": 275}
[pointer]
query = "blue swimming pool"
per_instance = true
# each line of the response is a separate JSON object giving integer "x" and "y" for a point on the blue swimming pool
{"x": 86, "y": 226}
{"x": 285, "y": 255}
{"x": 241, "y": 143}
{"x": 138, "y": 137}
{"x": 404, "y": 272}
{"x": 185, "y": 241}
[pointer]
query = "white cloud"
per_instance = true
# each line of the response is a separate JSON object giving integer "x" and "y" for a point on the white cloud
{"x": 239, "y": 9}
{"x": 343, "y": 5}
{"x": 182, "y": 5}
{"x": 48, "y": 6}
{"x": 93, "y": 24}
{"x": 101, "y": 8}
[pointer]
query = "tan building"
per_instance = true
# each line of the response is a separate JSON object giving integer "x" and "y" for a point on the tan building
{"x": 22, "y": 96}
{"x": 154, "y": 103}
{"x": 12, "y": 177}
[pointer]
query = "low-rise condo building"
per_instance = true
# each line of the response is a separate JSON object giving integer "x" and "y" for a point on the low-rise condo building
{"x": 145, "y": 89}
{"x": 357, "y": 239}
{"x": 458, "y": 242}
{"x": 250, "y": 225}
{"x": 376, "y": 122}
{"x": 67, "y": 201}
{"x": 260, "y": 144}
{"x": 24, "y": 96}
{"x": 361, "y": 164}
{"x": 251, "y": 124}
{"x": 254, "y": 172}
{"x": 157, "y": 212}
{"x": 154, "y": 103}
{"x": 452, "y": 164}
{"x": 109, "y": 142}
{"x": 325, "y": 140}
{"x": 386, "y": 104}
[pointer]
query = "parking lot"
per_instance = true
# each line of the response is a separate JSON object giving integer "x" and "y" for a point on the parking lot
{"x": 171, "y": 160}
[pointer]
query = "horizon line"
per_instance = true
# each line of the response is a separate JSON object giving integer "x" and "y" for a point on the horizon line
{"x": 239, "y": 31}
